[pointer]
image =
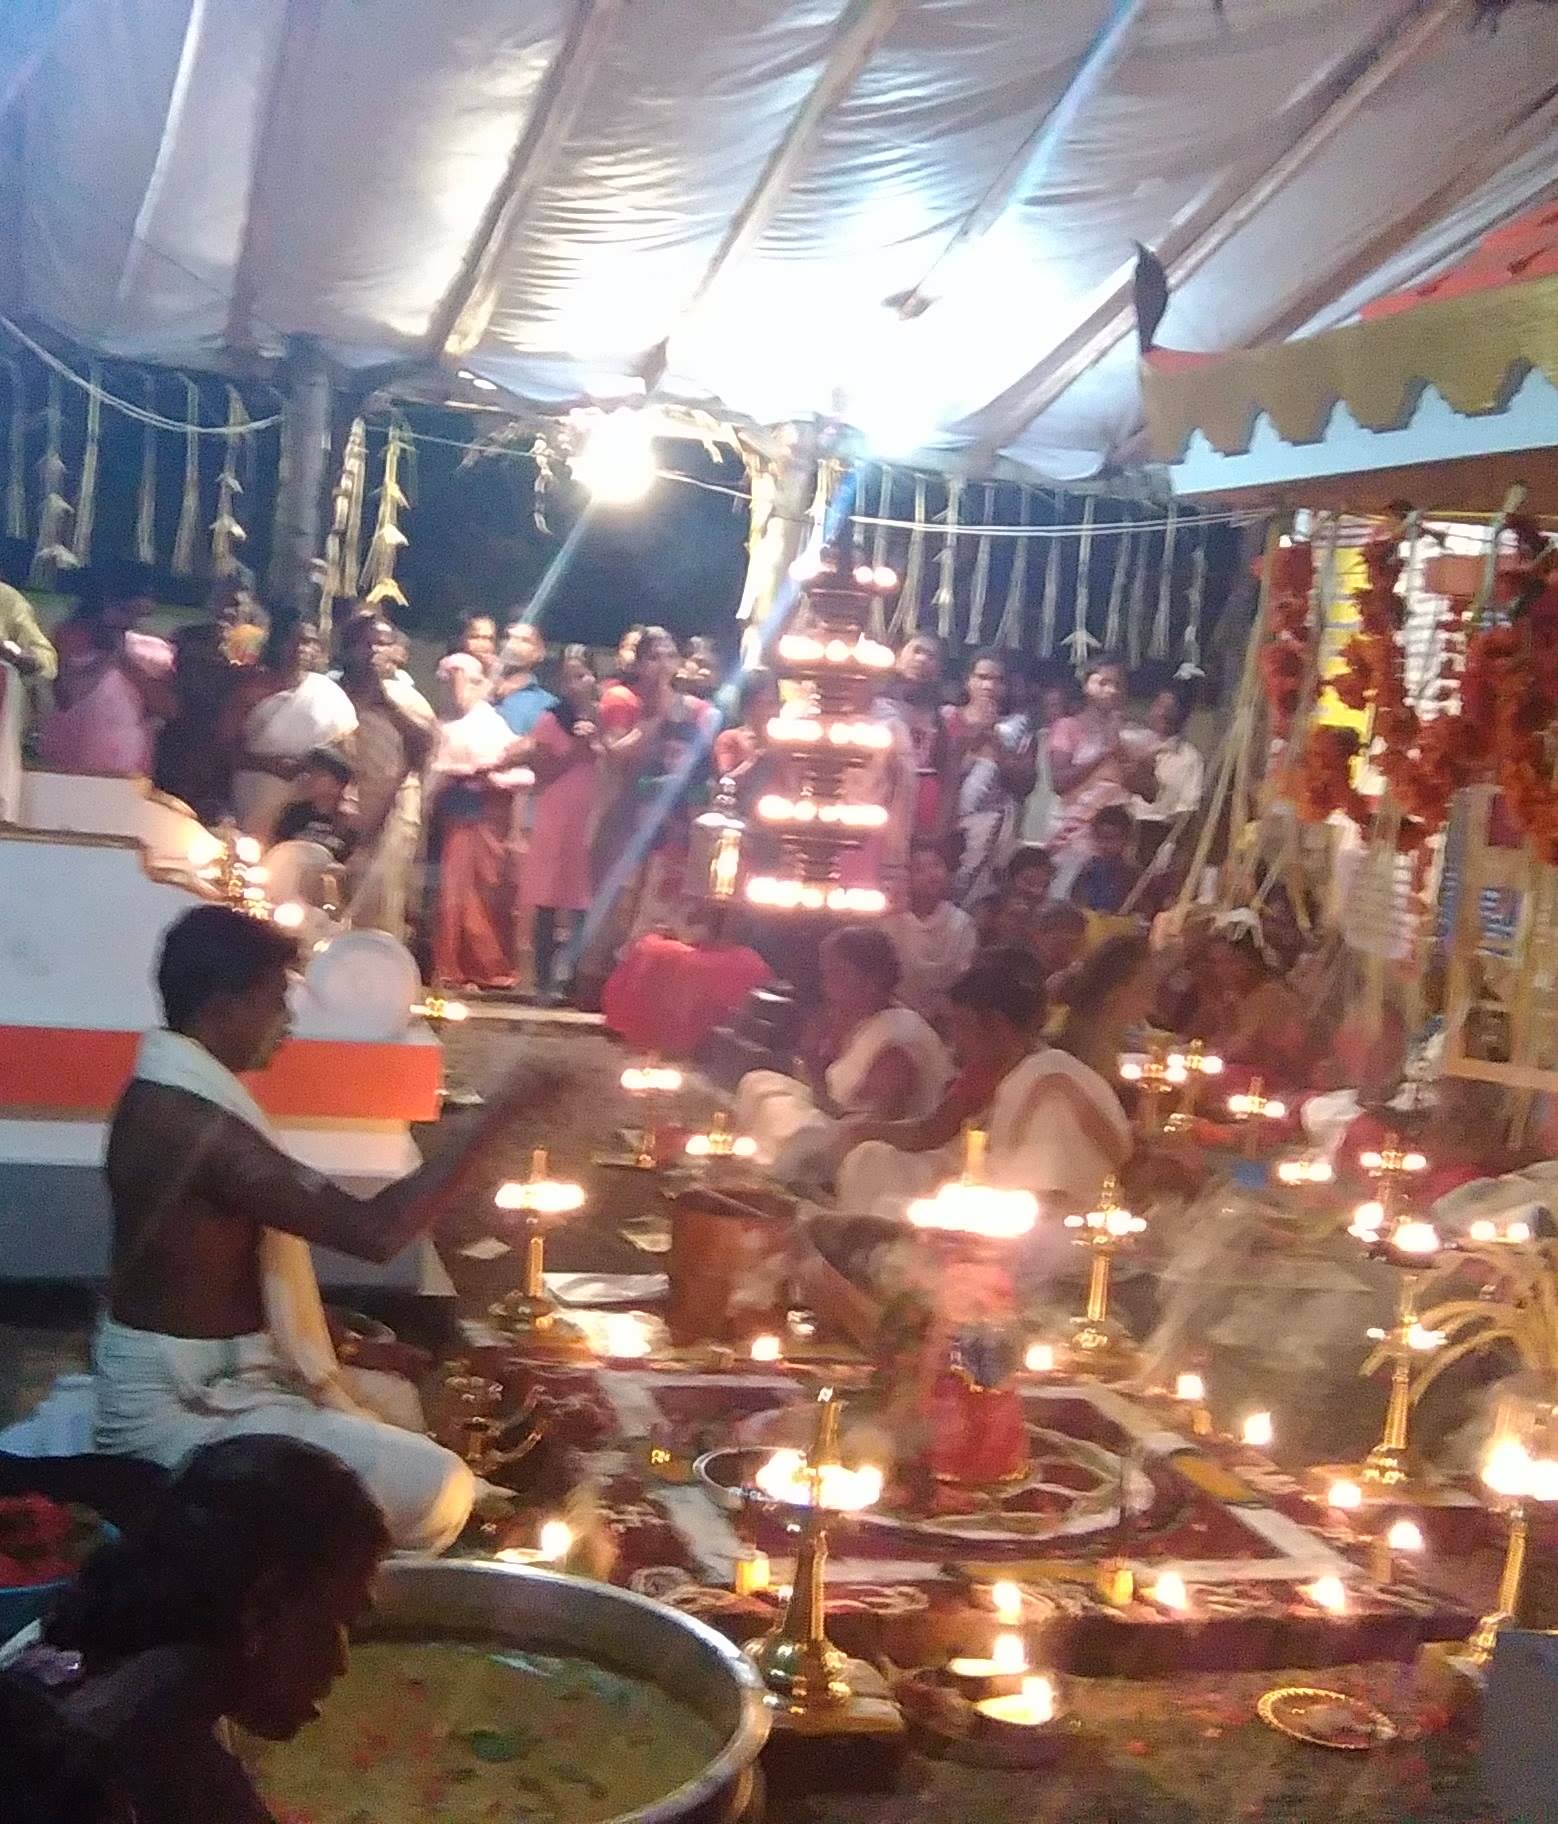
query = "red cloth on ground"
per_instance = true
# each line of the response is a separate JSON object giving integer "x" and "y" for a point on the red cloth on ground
{"x": 666, "y": 996}
{"x": 474, "y": 916}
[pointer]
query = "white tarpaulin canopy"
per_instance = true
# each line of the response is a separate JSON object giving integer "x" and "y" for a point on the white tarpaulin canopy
{"x": 917, "y": 215}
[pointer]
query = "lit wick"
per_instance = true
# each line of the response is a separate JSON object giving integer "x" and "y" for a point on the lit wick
{"x": 1032, "y": 1706}
{"x": 765, "y": 1349}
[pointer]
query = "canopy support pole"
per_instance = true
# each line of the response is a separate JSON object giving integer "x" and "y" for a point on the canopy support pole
{"x": 297, "y": 540}
{"x": 784, "y": 488}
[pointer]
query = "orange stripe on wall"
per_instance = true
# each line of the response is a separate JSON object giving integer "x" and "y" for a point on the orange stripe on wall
{"x": 48, "y": 1068}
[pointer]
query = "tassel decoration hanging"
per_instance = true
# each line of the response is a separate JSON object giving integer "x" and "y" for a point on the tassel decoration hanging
{"x": 146, "y": 492}
{"x": 51, "y": 554}
{"x": 1190, "y": 645}
{"x": 1082, "y": 642}
{"x": 378, "y": 582}
{"x": 1114, "y": 614}
{"x": 1009, "y": 633}
{"x": 1050, "y": 601}
{"x": 906, "y": 618}
{"x": 226, "y": 532}
{"x": 184, "y": 539}
{"x": 338, "y": 573}
{"x": 1136, "y": 609}
{"x": 979, "y": 589}
{"x": 86, "y": 494}
{"x": 884, "y": 511}
{"x": 1158, "y": 644}
{"x": 945, "y": 601}
{"x": 16, "y": 455}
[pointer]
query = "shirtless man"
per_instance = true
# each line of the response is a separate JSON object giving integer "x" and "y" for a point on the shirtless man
{"x": 214, "y": 1324}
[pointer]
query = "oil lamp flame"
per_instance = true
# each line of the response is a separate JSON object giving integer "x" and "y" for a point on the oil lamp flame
{"x": 1006, "y": 1597}
{"x": 765, "y": 1349}
{"x": 555, "y": 1541}
{"x": 1169, "y": 1592}
{"x": 1345, "y": 1495}
{"x": 1009, "y": 1655}
{"x": 788, "y": 1478}
{"x": 1405, "y": 1536}
{"x": 1190, "y": 1387}
{"x": 976, "y": 1209}
{"x": 651, "y": 1079}
{"x": 1328, "y": 1593}
{"x": 1039, "y": 1358}
{"x": 1258, "y": 1431}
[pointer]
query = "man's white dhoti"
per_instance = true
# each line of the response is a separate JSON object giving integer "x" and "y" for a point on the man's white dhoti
{"x": 159, "y": 1397}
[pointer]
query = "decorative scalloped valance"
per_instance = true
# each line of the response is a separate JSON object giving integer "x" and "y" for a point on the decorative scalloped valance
{"x": 1473, "y": 350}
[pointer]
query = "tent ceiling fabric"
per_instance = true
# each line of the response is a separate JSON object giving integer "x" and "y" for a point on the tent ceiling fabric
{"x": 725, "y": 193}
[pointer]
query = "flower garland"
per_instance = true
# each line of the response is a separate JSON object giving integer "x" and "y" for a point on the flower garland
{"x": 1505, "y": 674}
{"x": 1285, "y": 656}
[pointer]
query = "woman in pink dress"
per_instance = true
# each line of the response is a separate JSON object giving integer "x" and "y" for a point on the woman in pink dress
{"x": 555, "y": 885}
{"x": 114, "y": 683}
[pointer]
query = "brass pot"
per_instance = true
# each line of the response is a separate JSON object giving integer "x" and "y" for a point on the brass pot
{"x": 548, "y": 1612}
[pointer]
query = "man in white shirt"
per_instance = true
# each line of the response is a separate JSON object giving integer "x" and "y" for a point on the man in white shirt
{"x": 935, "y": 940}
{"x": 1179, "y": 775}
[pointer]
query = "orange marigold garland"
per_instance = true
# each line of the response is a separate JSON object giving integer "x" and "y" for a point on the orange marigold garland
{"x": 1284, "y": 657}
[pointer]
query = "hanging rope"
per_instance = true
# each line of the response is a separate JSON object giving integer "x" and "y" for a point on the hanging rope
{"x": 884, "y": 505}
{"x": 906, "y": 618}
{"x": 1190, "y": 644}
{"x": 1158, "y": 645}
{"x": 146, "y": 491}
{"x": 51, "y": 554}
{"x": 140, "y": 414}
{"x": 1136, "y": 609}
{"x": 1114, "y": 614}
{"x": 945, "y": 601}
{"x": 1009, "y": 633}
{"x": 86, "y": 494}
{"x": 227, "y": 534}
{"x": 184, "y": 539}
{"x": 1049, "y": 602}
{"x": 338, "y": 572}
{"x": 378, "y": 582}
{"x": 1084, "y": 584}
{"x": 979, "y": 589}
{"x": 16, "y": 456}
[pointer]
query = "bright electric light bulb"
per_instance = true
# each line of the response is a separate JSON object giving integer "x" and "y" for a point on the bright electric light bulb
{"x": 616, "y": 461}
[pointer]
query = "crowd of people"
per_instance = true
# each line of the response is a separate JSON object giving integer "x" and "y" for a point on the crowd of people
{"x": 533, "y": 787}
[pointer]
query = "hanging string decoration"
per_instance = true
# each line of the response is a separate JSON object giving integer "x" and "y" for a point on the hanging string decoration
{"x": 16, "y": 454}
{"x": 338, "y": 572}
{"x": 876, "y": 622}
{"x": 1081, "y": 640}
{"x": 906, "y": 618}
{"x": 1136, "y": 606}
{"x": 86, "y": 493}
{"x": 1114, "y": 614}
{"x": 979, "y": 588}
{"x": 945, "y": 601}
{"x": 226, "y": 531}
{"x": 1190, "y": 643}
{"x": 1009, "y": 633}
{"x": 1050, "y": 600}
{"x": 185, "y": 539}
{"x": 1158, "y": 643}
{"x": 378, "y": 582}
{"x": 146, "y": 490}
{"x": 51, "y": 553}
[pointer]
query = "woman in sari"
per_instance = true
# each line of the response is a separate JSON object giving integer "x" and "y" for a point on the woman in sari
{"x": 996, "y": 762}
{"x": 304, "y": 711}
{"x": 864, "y": 1055}
{"x": 114, "y": 683}
{"x": 555, "y": 880}
{"x": 470, "y": 787}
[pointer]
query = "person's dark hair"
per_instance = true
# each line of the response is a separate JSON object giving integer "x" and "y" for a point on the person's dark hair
{"x": 1101, "y": 971}
{"x": 1030, "y": 855}
{"x": 1113, "y": 817}
{"x": 1106, "y": 661}
{"x": 358, "y": 627}
{"x": 870, "y": 952}
{"x": 236, "y": 1510}
{"x": 1058, "y": 915}
{"x": 647, "y": 636}
{"x": 55, "y": 1772}
{"x": 1004, "y": 983}
{"x": 753, "y": 684}
{"x": 328, "y": 760}
{"x": 562, "y": 711}
{"x": 216, "y": 950}
{"x": 284, "y": 628}
{"x": 993, "y": 655}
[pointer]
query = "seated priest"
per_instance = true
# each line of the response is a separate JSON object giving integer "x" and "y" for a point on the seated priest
{"x": 862, "y": 1054}
{"x": 214, "y": 1326}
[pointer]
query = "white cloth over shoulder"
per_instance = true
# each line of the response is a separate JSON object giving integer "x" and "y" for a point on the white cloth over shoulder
{"x": 1040, "y": 1143}
{"x": 314, "y": 712}
{"x": 159, "y": 1397}
{"x": 781, "y": 1114}
{"x": 932, "y": 953}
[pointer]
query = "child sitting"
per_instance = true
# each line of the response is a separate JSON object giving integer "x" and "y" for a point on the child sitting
{"x": 1105, "y": 880}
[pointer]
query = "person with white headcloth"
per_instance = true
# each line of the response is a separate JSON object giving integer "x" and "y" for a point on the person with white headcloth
{"x": 863, "y": 1054}
{"x": 214, "y": 1325}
